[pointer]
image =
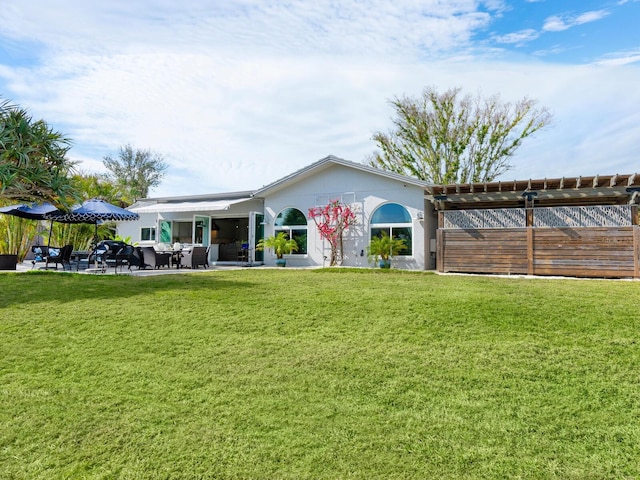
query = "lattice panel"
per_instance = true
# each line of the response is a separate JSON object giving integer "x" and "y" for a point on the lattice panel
{"x": 505, "y": 218}
{"x": 474, "y": 219}
{"x": 549, "y": 217}
{"x": 595, "y": 216}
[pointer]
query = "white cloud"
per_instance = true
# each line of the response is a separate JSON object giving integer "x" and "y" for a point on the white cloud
{"x": 238, "y": 94}
{"x": 517, "y": 38}
{"x": 620, "y": 58}
{"x": 592, "y": 16}
{"x": 374, "y": 26}
{"x": 556, "y": 23}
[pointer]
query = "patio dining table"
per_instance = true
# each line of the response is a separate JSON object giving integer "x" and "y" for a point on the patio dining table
{"x": 77, "y": 256}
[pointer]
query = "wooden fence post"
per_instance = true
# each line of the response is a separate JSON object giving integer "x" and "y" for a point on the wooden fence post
{"x": 530, "y": 238}
{"x": 440, "y": 243}
{"x": 635, "y": 221}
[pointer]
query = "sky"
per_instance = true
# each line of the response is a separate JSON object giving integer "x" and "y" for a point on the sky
{"x": 235, "y": 94}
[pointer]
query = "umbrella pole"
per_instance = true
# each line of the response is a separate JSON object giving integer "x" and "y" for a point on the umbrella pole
{"x": 50, "y": 232}
{"x": 95, "y": 241}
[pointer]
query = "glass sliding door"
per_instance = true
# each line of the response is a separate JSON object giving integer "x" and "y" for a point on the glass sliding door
{"x": 201, "y": 230}
{"x": 165, "y": 231}
{"x": 256, "y": 233}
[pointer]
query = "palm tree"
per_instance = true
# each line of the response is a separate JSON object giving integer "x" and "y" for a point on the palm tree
{"x": 33, "y": 163}
{"x": 280, "y": 243}
{"x": 383, "y": 247}
{"x": 33, "y": 168}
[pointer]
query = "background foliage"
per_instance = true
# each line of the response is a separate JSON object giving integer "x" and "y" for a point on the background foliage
{"x": 448, "y": 137}
{"x": 135, "y": 172}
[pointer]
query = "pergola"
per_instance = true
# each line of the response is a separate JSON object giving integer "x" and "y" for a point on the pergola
{"x": 582, "y": 226}
{"x": 597, "y": 190}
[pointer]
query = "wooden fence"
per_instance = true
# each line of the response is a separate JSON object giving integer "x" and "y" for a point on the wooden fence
{"x": 564, "y": 241}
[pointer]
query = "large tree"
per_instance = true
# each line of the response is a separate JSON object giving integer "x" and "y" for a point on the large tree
{"x": 135, "y": 172}
{"x": 33, "y": 162}
{"x": 454, "y": 138}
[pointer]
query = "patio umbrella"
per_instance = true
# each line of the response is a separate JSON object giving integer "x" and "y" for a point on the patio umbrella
{"x": 32, "y": 211}
{"x": 93, "y": 211}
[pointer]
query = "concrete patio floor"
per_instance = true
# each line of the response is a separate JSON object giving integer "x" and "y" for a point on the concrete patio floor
{"x": 27, "y": 266}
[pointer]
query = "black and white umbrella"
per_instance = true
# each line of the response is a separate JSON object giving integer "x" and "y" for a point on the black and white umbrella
{"x": 32, "y": 211}
{"x": 93, "y": 211}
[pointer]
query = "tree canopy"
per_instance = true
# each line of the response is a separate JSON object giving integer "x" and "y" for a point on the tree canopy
{"x": 135, "y": 172}
{"x": 454, "y": 138}
{"x": 33, "y": 162}
{"x": 91, "y": 185}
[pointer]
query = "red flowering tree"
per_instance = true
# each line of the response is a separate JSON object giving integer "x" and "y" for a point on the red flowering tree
{"x": 332, "y": 221}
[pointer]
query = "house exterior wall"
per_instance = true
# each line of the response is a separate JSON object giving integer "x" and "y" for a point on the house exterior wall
{"x": 133, "y": 229}
{"x": 365, "y": 192}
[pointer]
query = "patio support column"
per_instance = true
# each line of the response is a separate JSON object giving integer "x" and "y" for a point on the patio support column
{"x": 440, "y": 242}
{"x": 635, "y": 221}
{"x": 530, "y": 250}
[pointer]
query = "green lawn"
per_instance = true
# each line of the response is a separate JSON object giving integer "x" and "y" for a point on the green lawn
{"x": 318, "y": 374}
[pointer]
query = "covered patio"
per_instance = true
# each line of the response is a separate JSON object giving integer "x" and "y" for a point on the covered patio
{"x": 228, "y": 224}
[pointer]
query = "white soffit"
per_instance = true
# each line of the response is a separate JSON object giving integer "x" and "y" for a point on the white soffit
{"x": 188, "y": 206}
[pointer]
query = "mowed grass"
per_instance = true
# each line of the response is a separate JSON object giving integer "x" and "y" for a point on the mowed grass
{"x": 318, "y": 374}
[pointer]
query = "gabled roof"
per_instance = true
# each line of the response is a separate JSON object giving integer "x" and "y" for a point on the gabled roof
{"x": 327, "y": 162}
{"x": 171, "y": 203}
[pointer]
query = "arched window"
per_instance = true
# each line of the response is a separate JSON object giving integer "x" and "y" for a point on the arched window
{"x": 293, "y": 222}
{"x": 395, "y": 221}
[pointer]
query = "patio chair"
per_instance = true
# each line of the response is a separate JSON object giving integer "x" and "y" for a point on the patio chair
{"x": 153, "y": 259}
{"x": 129, "y": 256}
{"x": 243, "y": 253}
{"x": 39, "y": 253}
{"x": 195, "y": 257}
{"x": 105, "y": 252}
{"x": 58, "y": 256}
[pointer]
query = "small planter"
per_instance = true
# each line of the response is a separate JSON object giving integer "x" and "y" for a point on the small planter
{"x": 281, "y": 245}
{"x": 8, "y": 262}
{"x": 383, "y": 247}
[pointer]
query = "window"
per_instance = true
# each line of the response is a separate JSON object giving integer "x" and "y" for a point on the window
{"x": 165, "y": 231}
{"x": 181, "y": 232}
{"x": 148, "y": 234}
{"x": 293, "y": 222}
{"x": 395, "y": 221}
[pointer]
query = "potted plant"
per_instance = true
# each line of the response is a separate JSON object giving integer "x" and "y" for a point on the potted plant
{"x": 383, "y": 247}
{"x": 281, "y": 245}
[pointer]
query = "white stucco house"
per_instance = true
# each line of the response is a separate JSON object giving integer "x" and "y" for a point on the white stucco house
{"x": 233, "y": 223}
